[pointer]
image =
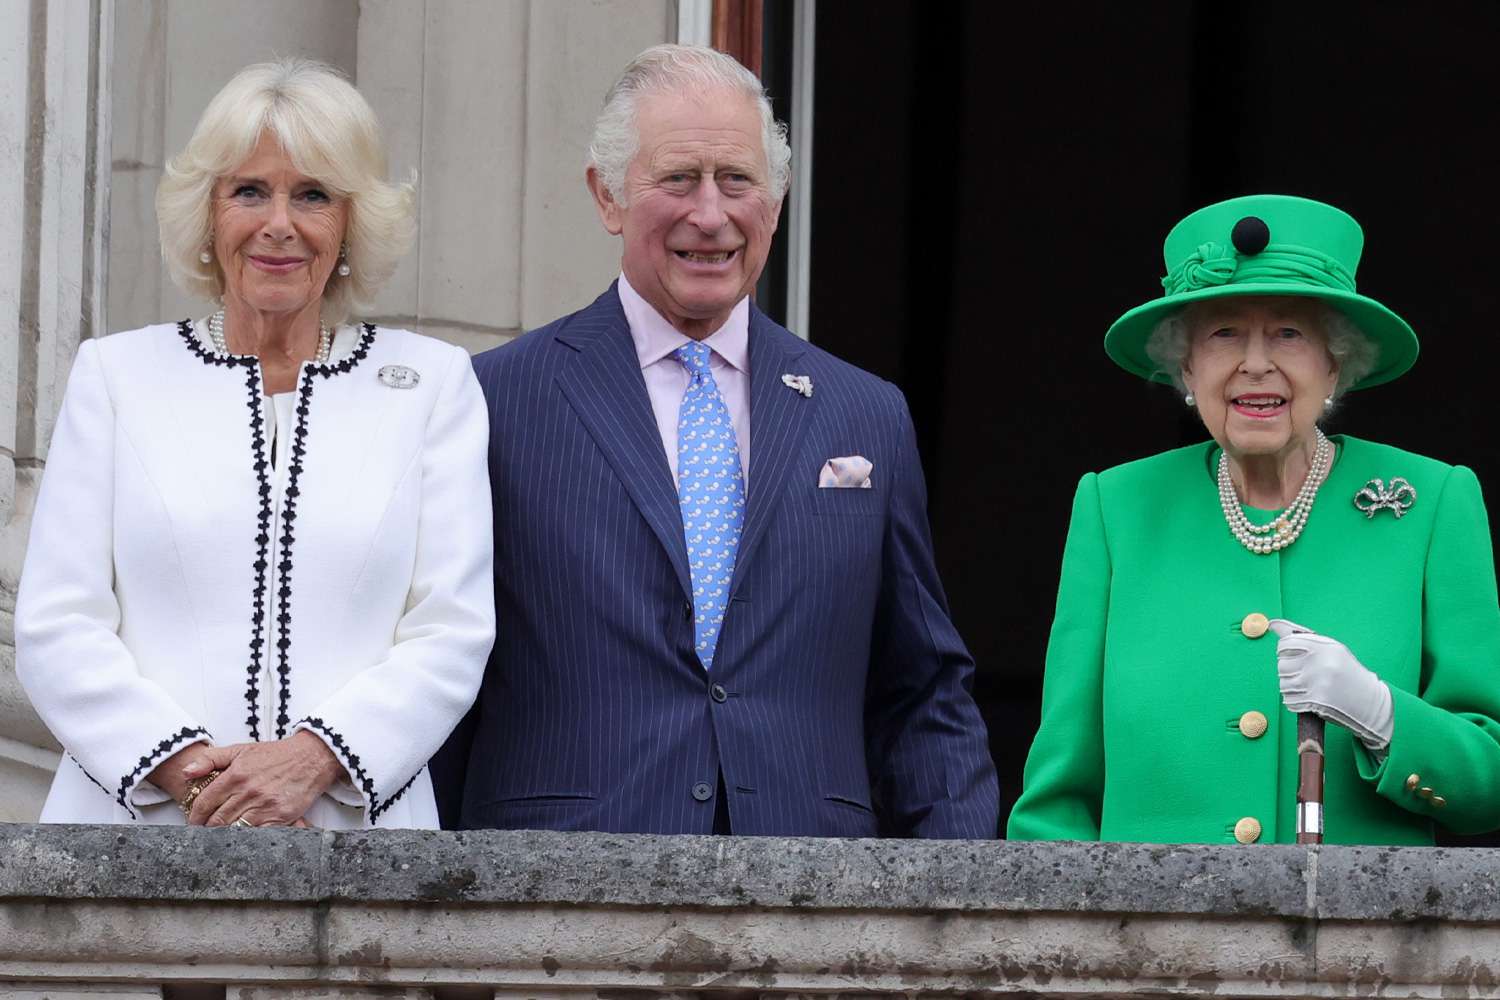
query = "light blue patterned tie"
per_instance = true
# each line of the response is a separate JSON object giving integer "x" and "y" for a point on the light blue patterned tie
{"x": 711, "y": 491}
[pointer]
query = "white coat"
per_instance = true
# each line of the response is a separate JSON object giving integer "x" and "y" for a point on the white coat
{"x": 180, "y": 586}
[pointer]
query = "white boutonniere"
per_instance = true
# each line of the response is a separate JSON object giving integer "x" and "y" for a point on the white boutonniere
{"x": 799, "y": 383}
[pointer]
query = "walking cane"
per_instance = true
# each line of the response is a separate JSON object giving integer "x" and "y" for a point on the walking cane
{"x": 1309, "y": 778}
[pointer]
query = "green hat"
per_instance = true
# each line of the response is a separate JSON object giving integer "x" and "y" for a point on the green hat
{"x": 1265, "y": 244}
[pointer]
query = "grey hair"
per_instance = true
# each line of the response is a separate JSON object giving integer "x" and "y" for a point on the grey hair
{"x": 1170, "y": 343}
{"x": 329, "y": 132}
{"x": 678, "y": 69}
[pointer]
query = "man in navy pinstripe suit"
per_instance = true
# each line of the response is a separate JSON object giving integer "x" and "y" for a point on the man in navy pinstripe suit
{"x": 716, "y": 599}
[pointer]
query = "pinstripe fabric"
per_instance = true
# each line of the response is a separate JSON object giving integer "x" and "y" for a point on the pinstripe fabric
{"x": 846, "y": 708}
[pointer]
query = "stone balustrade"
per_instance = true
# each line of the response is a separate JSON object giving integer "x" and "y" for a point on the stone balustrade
{"x": 118, "y": 911}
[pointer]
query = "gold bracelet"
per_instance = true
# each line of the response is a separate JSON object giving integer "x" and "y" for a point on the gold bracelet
{"x": 195, "y": 788}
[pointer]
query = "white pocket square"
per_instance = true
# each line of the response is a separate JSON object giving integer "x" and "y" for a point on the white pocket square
{"x": 849, "y": 472}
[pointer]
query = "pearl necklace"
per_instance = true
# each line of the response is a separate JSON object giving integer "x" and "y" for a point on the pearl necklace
{"x": 1266, "y": 538}
{"x": 216, "y": 334}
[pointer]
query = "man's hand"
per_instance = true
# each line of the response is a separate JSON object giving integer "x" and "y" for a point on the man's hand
{"x": 268, "y": 784}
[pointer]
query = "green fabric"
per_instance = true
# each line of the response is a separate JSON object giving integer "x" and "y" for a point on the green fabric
{"x": 1314, "y": 253}
{"x": 1211, "y": 264}
{"x": 1148, "y": 671}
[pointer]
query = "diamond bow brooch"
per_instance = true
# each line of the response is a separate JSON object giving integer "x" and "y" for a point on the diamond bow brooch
{"x": 1374, "y": 496}
{"x": 800, "y": 383}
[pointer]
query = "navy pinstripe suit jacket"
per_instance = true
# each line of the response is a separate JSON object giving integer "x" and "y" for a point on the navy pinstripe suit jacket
{"x": 846, "y": 706}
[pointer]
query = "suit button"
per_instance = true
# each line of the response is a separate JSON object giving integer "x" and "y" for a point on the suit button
{"x": 1255, "y": 625}
{"x": 687, "y": 611}
{"x": 1247, "y": 830}
{"x": 717, "y": 693}
{"x": 703, "y": 791}
{"x": 1253, "y": 725}
{"x": 1412, "y": 781}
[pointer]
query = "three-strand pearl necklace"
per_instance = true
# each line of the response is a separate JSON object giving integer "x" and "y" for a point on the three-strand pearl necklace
{"x": 1263, "y": 539}
{"x": 216, "y": 334}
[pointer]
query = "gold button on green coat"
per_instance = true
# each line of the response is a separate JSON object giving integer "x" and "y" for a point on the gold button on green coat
{"x": 1255, "y": 625}
{"x": 1253, "y": 725}
{"x": 1147, "y": 658}
{"x": 1247, "y": 830}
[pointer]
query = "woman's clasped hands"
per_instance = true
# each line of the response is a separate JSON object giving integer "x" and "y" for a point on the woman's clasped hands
{"x": 257, "y": 784}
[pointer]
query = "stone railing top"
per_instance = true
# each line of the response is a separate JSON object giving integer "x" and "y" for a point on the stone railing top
{"x": 534, "y": 868}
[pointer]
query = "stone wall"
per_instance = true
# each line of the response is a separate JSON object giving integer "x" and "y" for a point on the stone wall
{"x": 288, "y": 913}
{"x": 54, "y": 176}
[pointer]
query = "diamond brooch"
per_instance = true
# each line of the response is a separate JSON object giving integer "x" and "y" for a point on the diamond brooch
{"x": 1375, "y": 495}
{"x": 398, "y": 376}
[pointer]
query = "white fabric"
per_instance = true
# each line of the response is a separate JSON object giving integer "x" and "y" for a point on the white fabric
{"x": 134, "y": 618}
{"x": 1319, "y": 674}
{"x": 848, "y": 472}
{"x": 279, "y": 412}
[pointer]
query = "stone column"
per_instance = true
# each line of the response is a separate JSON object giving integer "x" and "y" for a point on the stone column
{"x": 54, "y": 194}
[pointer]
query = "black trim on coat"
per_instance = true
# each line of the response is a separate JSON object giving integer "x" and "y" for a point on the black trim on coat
{"x": 263, "y": 518}
{"x": 357, "y": 775}
{"x": 86, "y": 774}
{"x": 251, "y": 364}
{"x": 375, "y": 813}
{"x": 298, "y": 452}
{"x": 150, "y": 759}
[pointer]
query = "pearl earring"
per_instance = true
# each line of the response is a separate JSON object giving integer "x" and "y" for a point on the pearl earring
{"x": 343, "y": 267}
{"x": 1327, "y": 403}
{"x": 205, "y": 257}
{"x": 1188, "y": 399}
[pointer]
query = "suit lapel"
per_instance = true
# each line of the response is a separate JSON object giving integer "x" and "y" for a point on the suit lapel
{"x": 779, "y": 417}
{"x": 604, "y": 386}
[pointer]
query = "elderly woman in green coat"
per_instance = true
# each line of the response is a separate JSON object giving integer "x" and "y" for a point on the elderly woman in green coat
{"x": 1210, "y": 593}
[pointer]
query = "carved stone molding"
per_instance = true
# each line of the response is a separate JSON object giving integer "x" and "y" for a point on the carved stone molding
{"x": 593, "y": 915}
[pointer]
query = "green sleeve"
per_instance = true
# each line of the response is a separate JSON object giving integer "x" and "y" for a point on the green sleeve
{"x": 1446, "y": 734}
{"x": 1064, "y": 780}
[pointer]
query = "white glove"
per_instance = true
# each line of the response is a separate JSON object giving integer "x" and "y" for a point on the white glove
{"x": 1320, "y": 675}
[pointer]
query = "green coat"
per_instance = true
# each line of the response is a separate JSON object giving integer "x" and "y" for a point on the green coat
{"x": 1149, "y": 672}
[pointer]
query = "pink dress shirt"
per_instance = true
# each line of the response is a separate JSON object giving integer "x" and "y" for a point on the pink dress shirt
{"x": 666, "y": 379}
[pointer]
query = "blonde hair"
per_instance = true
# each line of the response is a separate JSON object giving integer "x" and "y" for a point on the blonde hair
{"x": 329, "y": 132}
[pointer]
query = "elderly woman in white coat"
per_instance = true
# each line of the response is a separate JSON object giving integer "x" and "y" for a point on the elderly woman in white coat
{"x": 257, "y": 590}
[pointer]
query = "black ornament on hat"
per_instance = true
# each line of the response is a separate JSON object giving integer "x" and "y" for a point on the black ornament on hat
{"x": 1250, "y": 235}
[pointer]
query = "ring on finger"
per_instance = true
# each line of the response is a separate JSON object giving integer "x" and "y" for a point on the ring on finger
{"x": 242, "y": 821}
